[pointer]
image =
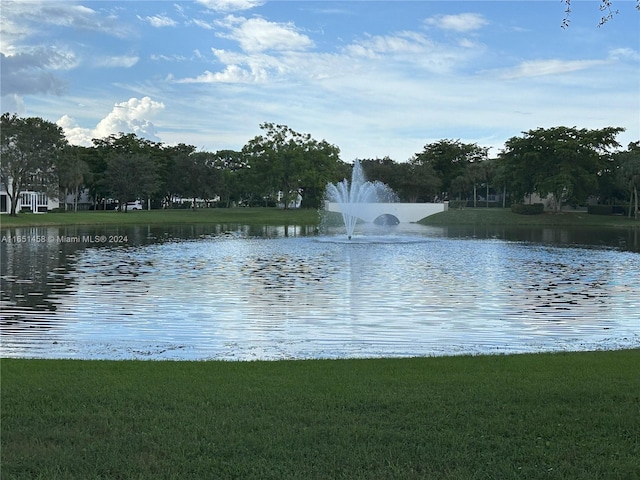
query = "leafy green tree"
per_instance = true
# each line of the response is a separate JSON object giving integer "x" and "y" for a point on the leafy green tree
{"x": 120, "y": 145}
{"x": 449, "y": 159}
{"x": 231, "y": 165}
{"x": 489, "y": 175}
{"x": 629, "y": 174}
{"x": 382, "y": 170}
{"x": 322, "y": 160}
{"x": 562, "y": 162}
{"x": 202, "y": 178}
{"x": 129, "y": 177}
{"x": 419, "y": 181}
{"x": 173, "y": 172}
{"x": 283, "y": 163}
{"x": 97, "y": 162}
{"x": 29, "y": 148}
{"x": 73, "y": 172}
{"x": 477, "y": 174}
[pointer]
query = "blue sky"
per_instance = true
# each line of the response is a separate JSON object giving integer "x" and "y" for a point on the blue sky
{"x": 374, "y": 78}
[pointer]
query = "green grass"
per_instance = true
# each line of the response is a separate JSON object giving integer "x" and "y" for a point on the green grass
{"x": 245, "y": 216}
{"x": 504, "y": 216}
{"x": 302, "y": 217}
{"x": 564, "y": 415}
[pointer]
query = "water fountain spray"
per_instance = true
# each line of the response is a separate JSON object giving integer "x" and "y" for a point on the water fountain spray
{"x": 350, "y": 195}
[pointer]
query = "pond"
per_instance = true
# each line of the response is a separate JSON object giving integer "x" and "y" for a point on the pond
{"x": 233, "y": 292}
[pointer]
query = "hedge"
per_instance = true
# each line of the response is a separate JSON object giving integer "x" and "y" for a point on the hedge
{"x": 527, "y": 209}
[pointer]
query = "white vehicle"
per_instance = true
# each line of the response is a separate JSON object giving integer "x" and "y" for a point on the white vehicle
{"x": 133, "y": 205}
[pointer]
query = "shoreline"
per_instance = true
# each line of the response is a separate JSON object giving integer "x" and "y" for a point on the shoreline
{"x": 305, "y": 217}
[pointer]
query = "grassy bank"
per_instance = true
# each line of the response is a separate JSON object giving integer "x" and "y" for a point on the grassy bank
{"x": 244, "y": 216}
{"x": 302, "y": 217}
{"x": 504, "y": 216}
{"x": 525, "y": 416}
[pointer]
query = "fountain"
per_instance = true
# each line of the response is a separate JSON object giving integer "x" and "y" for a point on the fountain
{"x": 349, "y": 195}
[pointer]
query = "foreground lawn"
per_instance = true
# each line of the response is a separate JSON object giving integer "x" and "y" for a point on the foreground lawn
{"x": 561, "y": 415}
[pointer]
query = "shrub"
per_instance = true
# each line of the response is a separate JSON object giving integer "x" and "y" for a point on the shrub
{"x": 457, "y": 204}
{"x": 600, "y": 209}
{"x": 527, "y": 209}
{"x": 607, "y": 210}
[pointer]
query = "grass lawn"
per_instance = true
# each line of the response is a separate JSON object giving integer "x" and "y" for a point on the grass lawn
{"x": 504, "y": 216}
{"x": 563, "y": 415}
{"x": 276, "y": 216}
{"x": 244, "y": 216}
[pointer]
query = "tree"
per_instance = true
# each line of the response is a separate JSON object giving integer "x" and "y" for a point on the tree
{"x": 629, "y": 174}
{"x": 322, "y": 160}
{"x": 129, "y": 177}
{"x": 562, "y": 162}
{"x": 449, "y": 160}
{"x": 231, "y": 165}
{"x": 477, "y": 173}
{"x": 29, "y": 148}
{"x": 202, "y": 178}
{"x": 381, "y": 169}
{"x": 123, "y": 145}
{"x": 420, "y": 182}
{"x": 173, "y": 172}
{"x": 284, "y": 163}
{"x": 73, "y": 172}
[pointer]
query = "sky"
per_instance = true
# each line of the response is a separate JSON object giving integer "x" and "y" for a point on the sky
{"x": 374, "y": 78}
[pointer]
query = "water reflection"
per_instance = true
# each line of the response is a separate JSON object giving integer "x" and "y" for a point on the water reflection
{"x": 238, "y": 292}
{"x": 619, "y": 238}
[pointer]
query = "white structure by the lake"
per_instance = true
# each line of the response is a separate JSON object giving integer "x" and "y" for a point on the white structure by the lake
{"x": 403, "y": 212}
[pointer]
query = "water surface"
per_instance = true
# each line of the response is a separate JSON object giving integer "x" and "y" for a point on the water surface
{"x": 234, "y": 292}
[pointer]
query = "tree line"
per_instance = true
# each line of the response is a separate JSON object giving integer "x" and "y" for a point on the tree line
{"x": 566, "y": 163}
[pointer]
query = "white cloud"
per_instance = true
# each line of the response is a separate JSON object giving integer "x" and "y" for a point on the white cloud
{"x": 132, "y": 116}
{"x": 123, "y": 61}
{"x": 624, "y": 54}
{"x": 230, "y": 5}
{"x": 202, "y": 24}
{"x": 20, "y": 20}
{"x": 258, "y": 35}
{"x": 410, "y": 43}
{"x": 537, "y": 68}
{"x": 231, "y": 74}
{"x": 366, "y": 56}
{"x": 253, "y": 64}
{"x": 463, "y": 22}
{"x": 159, "y": 21}
{"x": 411, "y": 49}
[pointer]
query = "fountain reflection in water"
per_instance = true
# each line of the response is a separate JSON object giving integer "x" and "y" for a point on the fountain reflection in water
{"x": 350, "y": 195}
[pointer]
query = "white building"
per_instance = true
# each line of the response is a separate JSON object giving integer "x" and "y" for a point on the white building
{"x": 28, "y": 201}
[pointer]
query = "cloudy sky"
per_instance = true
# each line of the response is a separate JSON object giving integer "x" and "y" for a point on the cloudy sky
{"x": 375, "y": 78}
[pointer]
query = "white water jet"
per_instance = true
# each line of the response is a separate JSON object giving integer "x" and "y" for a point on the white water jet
{"x": 349, "y": 196}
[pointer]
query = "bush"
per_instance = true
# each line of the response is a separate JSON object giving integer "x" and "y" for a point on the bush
{"x": 600, "y": 209}
{"x": 607, "y": 210}
{"x": 483, "y": 204}
{"x": 527, "y": 209}
{"x": 457, "y": 204}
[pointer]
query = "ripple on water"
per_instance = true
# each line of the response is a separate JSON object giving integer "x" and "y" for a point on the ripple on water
{"x": 240, "y": 298}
